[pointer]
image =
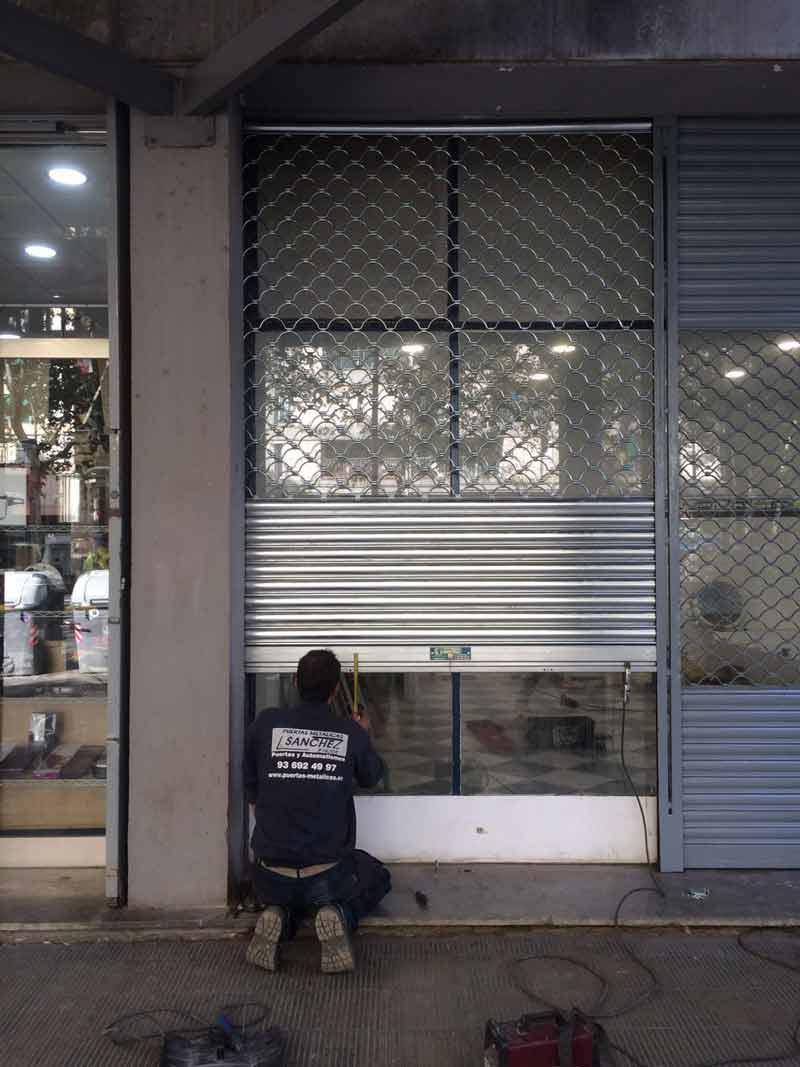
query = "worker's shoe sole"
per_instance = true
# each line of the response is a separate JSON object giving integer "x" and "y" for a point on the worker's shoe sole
{"x": 334, "y": 940}
{"x": 263, "y": 950}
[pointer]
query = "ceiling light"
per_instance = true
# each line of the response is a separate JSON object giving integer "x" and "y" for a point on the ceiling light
{"x": 66, "y": 176}
{"x": 40, "y": 251}
{"x": 789, "y": 346}
{"x": 413, "y": 350}
{"x": 737, "y": 372}
{"x": 9, "y": 337}
{"x": 562, "y": 350}
{"x": 540, "y": 376}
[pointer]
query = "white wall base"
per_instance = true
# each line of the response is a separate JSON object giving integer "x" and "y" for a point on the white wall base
{"x": 506, "y": 829}
{"x": 52, "y": 852}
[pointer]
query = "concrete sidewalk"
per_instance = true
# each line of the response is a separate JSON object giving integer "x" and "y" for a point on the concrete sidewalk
{"x": 414, "y": 1001}
{"x": 460, "y": 896}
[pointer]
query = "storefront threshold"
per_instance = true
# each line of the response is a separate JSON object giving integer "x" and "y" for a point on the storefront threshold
{"x": 67, "y": 905}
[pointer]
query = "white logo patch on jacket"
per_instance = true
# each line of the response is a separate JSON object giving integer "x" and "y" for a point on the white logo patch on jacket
{"x": 321, "y": 744}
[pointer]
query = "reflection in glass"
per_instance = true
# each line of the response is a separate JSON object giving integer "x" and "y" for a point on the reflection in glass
{"x": 740, "y": 521}
{"x": 525, "y": 261}
{"x": 411, "y": 723}
{"x": 54, "y": 465}
{"x": 558, "y": 415}
{"x": 351, "y": 415}
{"x": 521, "y": 733}
{"x": 556, "y": 734}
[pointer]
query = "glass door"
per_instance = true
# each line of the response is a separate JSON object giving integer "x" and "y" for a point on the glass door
{"x": 449, "y": 355}
{"x": 515, "y": 766}
{"x": 55, "y": 419}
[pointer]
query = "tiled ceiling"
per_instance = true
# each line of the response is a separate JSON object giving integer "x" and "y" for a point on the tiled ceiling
{"x": 73, "y": 220}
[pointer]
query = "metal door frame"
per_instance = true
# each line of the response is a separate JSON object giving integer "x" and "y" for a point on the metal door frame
{"x": 110, "y": 131}
{"x": 665, "y": 450}
{"x": 667, "y": 489}
{"x": 692, "y": 705}
{"x": 119, "y": 511}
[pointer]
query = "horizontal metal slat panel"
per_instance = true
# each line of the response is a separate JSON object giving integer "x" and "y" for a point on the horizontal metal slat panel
{"x": 523, "y": 573}
{"x": 736, "y": 856}
{"x": 760, "y": 809}
{"x": 738, "y": 190}
{"x": 741, "y": 777}
{"x": 710, "y": 272}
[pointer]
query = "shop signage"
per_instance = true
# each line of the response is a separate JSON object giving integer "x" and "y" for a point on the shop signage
{"x": 450, "y": 652}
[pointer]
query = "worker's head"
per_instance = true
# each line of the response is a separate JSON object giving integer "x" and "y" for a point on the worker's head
{"x": 318, "y": 674}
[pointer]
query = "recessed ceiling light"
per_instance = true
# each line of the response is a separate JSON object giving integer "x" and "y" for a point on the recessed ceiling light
{"x": 788, "y": 346}
{"x": 562, "y": 350}
{"x": 66, "y": 176}
{"x": 540, "y": 376}
{"x": 413, "y": 350}
{"x": 40, "y": 251}
{"x": 737, "y": 372}
{"x": 9, "y": 336}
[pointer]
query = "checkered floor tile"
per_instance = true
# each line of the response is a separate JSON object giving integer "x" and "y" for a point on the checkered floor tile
{"x": 413, "y": 731}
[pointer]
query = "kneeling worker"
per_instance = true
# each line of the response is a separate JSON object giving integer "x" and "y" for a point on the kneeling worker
{"x": 301, "y": 767}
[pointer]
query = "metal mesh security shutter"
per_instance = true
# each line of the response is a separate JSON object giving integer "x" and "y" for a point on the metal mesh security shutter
{"x": 739, "y": 263}
{"x": 450, "y": 390}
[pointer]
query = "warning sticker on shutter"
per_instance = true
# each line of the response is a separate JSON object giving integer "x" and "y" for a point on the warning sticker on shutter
{"x": 448, "y": 652}
{"x": 307, "y": 743}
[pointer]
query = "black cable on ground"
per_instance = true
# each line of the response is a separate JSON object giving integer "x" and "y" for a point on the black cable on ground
{"x": 793, "y": 968}
{"x": 118, "y": 1030}
{"x": 594, "y": 1017}
{"x": 118, "y": 1033}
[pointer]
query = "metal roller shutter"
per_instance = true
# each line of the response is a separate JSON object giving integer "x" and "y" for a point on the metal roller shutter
{"x": 450, "y": 375}
{"x": 741, "y": 778}
{"x": 739, "y": 224}
{"x": 486, "y": 574}
{"x": 739, "y": 317}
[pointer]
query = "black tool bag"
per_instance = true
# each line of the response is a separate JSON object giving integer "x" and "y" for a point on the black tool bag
{"x": 235, "y": 1048}
{"x": 561, "y": 731}
{"x": 235, "y": 1044}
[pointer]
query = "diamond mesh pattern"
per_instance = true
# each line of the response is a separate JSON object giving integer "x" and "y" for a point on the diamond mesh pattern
{"x": 740, "y": 507}
{"x": 464, "y": 315}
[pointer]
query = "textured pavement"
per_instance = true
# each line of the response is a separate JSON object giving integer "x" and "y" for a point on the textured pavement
{"x": 414, "y": 1001}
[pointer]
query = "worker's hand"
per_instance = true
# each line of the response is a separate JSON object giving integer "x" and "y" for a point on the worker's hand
{"x": 362, "y": 719}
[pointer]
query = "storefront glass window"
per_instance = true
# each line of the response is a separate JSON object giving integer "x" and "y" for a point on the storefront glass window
{"x": 464, "y": 316}
{"x": 411, "y": 723}
{"x": 542, "y": 733}
{"x": 557, "y": 734}
{"x": 352, "y": 414}
{"x": 54, "y": 466}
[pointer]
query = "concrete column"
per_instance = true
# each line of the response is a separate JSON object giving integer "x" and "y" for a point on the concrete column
{"x": 181, "y": 522}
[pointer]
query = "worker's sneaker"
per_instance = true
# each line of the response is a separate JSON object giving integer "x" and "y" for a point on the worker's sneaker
{"x": 334, "y": 940}
{"x": 263, "y": 950}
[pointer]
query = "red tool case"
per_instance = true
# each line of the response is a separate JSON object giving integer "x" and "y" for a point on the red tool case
{"x": 546, "y": 1040}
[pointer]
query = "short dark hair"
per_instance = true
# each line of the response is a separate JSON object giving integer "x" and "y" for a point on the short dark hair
{"x": 318, "y": 674}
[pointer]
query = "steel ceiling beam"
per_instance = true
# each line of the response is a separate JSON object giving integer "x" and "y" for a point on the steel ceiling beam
{"x": 283, "y": 29}
{"x": 62, "y": 51}
{"x": 502, "y": 93}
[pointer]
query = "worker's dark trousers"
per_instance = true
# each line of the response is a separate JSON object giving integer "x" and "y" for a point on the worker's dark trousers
{"x": 357, "y": 884}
